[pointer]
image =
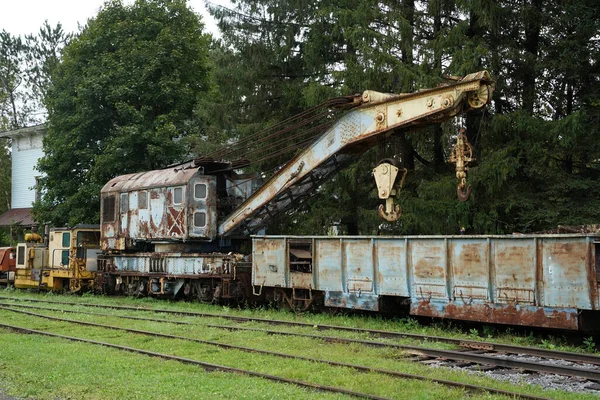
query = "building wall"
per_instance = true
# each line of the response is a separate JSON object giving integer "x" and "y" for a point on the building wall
{"x": 26, "y": 150}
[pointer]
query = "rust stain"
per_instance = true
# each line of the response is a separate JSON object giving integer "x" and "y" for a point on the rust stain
{"x": 592, "y": 278}
{"x": 500, "y": 314}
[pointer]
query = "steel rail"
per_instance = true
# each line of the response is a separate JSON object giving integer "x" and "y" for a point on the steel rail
{"x": 513, "y": 349}
{"x": 357, "y": 367}
{"x": 447, "y": 354}
{"x": 98, "y": 314}
{"x": 206, "y": 366}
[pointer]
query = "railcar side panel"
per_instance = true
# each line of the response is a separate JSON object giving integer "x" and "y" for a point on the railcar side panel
{"x": 469, "y": 265}
{"x": 565, "y": 275}
{"x": 428, "y": 262}
{"x": 269, "y": 267}
{"x": 329, "y": 265}
{"x": 514, "y": 267}
{"x": 391, "y": 275}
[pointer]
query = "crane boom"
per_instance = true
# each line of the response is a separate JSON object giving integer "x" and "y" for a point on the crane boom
{"x": 378, "y": 114}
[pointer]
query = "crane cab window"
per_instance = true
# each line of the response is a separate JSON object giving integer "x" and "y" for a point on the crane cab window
{"x": 300, "y": 256}
{"x": 124, "y": 203}
{"x": 199, "y": 219}
{"x": 66, "y": 239}
{"x": 64, "y": 259}
{"x": 108, "y": 209}
{"x": 200, "y": 191}
{"x": 143, "y": 200}
{"x": 177, "y": 196}
{"x": 89, "y": 239}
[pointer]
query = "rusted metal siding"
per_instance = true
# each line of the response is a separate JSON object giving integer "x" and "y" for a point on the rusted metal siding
{"x": 391, "y": 280}
{"x": 514, "y": 270}
{"x": 428, "y": 267}
{"x": 536, "y": 280}
{"x": 269, "y": 263}
{"x": 359, "y": 262}
{"x": 469, "y": 263}
{"x": 565, "y": 273}
{"x": 8, "y": 259}
{"x": 328, "y": 264}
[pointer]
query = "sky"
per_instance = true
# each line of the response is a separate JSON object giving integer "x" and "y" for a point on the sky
{"x": 22, "y": 17}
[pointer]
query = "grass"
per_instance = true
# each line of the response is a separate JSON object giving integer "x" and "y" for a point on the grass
{"x": 56, "y": 368}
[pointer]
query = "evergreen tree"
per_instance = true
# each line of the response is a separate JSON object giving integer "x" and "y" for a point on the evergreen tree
{"x": 14, "y": 107}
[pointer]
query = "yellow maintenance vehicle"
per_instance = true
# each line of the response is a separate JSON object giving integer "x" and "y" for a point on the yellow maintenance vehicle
{"x": 64, "y": 260}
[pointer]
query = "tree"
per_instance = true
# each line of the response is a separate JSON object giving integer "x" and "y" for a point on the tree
{"x": 25, "y": 66}
{"x": 121, "y": 100}
{"x": 43, "y": 53}
{"x": 14, "y": 107}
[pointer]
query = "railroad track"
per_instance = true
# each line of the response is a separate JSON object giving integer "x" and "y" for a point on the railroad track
{"x": 475, "y": 355}
{"x": 485, "y": 360}
{"x": 466, "y": 344}
{"x": 204, "y": 365}
{"x": 212, "y": 367}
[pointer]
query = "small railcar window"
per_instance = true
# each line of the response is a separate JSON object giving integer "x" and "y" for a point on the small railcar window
{"x": 300, "y": 255}
{"x": 88, "y": 239}
{"x": 124, "y": 203}
{"x": 199, "y": 219}
{"x": 200, "y": 191}
{"x": 66, "y": 239}
{"x": 65, "y": 257}
{"x": 21, "y": 255}
{"x": 142, "y": 200}
{"x": 108, "y": 209}
{"x": 177, "y": 196}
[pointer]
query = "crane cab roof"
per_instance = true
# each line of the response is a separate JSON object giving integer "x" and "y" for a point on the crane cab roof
{"x": 150, "y": 179}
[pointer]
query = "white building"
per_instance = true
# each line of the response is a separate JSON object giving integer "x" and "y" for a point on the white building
{"x": 26, "y": 151}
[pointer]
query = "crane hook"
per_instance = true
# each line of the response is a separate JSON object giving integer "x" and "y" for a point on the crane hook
{"x": 461, "y": 155}
{"x": 463, "y": 193}
{"x": 392, "y": 215}
{"x": 386, "y": 174}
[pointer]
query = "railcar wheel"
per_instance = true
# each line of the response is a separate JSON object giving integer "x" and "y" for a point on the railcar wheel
{"x": 141, "y": 288}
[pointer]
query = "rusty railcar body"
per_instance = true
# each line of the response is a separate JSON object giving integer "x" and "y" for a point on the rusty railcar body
{"x": 534, "y": 280}
{"x": 158, "y": 230}
{"x": 170, "y": 205}
{"x": 8, "y": 262}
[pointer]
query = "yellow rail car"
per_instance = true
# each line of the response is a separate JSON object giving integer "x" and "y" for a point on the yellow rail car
{"x": 66, "y": 262}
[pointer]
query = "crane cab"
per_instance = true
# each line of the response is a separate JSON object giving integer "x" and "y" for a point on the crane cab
{"x": 168, "y": 206}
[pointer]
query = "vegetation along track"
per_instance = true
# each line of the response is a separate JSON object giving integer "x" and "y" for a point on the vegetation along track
{"x": 205, "y": 365}
{"x": 465, "y": 344}
{"x": 445, "y": 354}
{"x": 463, "y": 356}
{"x": 209, "y": 366}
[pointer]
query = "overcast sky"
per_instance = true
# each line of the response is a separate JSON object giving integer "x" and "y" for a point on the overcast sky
{"x": 21, "y": 17}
